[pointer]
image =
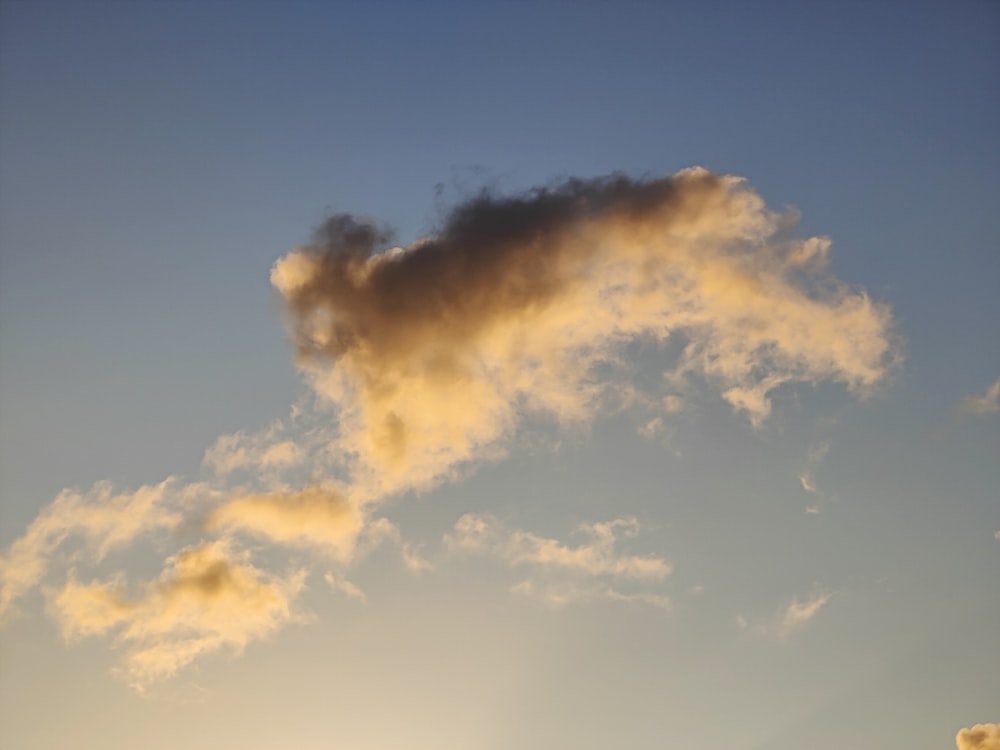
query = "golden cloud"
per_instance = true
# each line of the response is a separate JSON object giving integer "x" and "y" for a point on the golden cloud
{"x": 979, "y": 737}
{"x": 433, "y": 353}
{"x": 209, "y": 598}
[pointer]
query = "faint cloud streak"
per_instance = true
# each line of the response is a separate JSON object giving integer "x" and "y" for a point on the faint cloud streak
{"x": 988, "y": 403}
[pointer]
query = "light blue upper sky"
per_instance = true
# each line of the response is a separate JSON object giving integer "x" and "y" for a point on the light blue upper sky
{"x": 155, "y": 160}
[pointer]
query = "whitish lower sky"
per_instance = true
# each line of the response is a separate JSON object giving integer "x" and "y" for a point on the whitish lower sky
{"x": 499, "y": 375}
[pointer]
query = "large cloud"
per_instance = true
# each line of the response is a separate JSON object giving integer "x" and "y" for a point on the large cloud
{"x": 433, "y": 353}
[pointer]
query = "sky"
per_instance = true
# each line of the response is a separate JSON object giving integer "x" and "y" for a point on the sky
{"x": 492, "y": 375}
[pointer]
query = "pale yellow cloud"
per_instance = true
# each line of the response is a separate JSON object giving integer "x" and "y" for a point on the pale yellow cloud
{"x": 317, "y": 516}
{"x": 258, "y": 451}
{"x": 791, "y": 618}
{"x": 209, "y": 598}
{"x": 979, "y": 737}
{"x": 433, "y": 354}
{"x": 988, "y": 403}
{"x": 565, "y": 593}
{"x": 798, "y": 614}
{"x": 102, "y": 518}
{"x": 485, "y": 534}
{"x": 345, "y": 587}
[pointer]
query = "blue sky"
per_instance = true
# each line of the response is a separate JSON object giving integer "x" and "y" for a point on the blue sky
{"x": 156, "y": 161}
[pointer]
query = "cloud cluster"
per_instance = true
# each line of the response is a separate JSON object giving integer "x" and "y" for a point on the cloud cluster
{"x": 208, "y": 598}
{"x": 434, "y": 353}
{"x": 427, "y": 359}
{"x": 979, "y": 737}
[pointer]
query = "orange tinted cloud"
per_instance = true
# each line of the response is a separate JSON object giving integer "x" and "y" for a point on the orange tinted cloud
{"x": 315, "y": 516}
{"x": 433, "y": 353}
{"x": 979, "y": 737}
{"x": 104, "y": 520}
{"x": 209, "y": 598}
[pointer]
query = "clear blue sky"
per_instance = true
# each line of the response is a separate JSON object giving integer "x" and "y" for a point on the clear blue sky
{"x": 156, "y": 159}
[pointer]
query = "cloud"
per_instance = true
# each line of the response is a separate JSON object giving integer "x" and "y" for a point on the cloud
{"x": 814, "y": 457}
{"x": 317, "y": 516}
{"x": 797, "y": 614}
{"x": 486, "y": 535}
{"x": 432, "y": 354}
{"x": 563, "y": 574}
{"x": 208, "y": 598}
{"x": 343, "y": 586}
{"x": 791, "y": 618}
{"x": 980, "y": 737}
{"x": 256, "y": 451}
{"x": 105, "y": 520}
{"x": 565, "y": 593}
{"x": 988, "y": 403}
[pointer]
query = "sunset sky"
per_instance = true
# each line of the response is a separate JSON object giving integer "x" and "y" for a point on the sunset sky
{"x": 465, "y": 376}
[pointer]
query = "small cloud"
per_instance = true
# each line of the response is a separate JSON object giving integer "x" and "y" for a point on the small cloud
{"x": 996, "y": 535}
{"x": 673, "y": 404}
{"x": 813, "y": 510}
{"x": 988, "y": 403}
{"x": 797, "y": 614}
{"x": 651, "y": 428}
{"x": 980, "y": 737}
{"x": 319, "y": 517}
{"x": 345, "y": 587}
{"x": 791, "y": 618}
{"x": 807, "y": 482}
{"x": 563, "y": 573}
{"x": 257, "y": 451}
{"x": 485, "y": 534}
{"x": 814, "y": 457}
{"x": 564, "y": 594}
{"x": 208, "y": 598}
{"x": 414, "y": 559}
{"x": 697, "y": 589}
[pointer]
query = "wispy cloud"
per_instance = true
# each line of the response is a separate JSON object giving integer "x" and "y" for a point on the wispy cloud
{"x": 791, "y": 618}
{"x": 979, "y": 737}
{"x": 209, "y": 598}
{"x": 566, "y": 573}
{"x": 988, "y": 403}
{"x": 564, "y": 593}
{"x": 103, "y": 519}
{"x": 597, "y": 556}
{"x": 345, "y": 587}
{"x": 814, "y": 457}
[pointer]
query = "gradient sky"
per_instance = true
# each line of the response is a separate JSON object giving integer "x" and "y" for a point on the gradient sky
{"x": 661, "y": 566}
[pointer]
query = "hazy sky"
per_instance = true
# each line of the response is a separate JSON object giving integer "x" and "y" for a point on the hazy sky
{"x": 499, "y": 375}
